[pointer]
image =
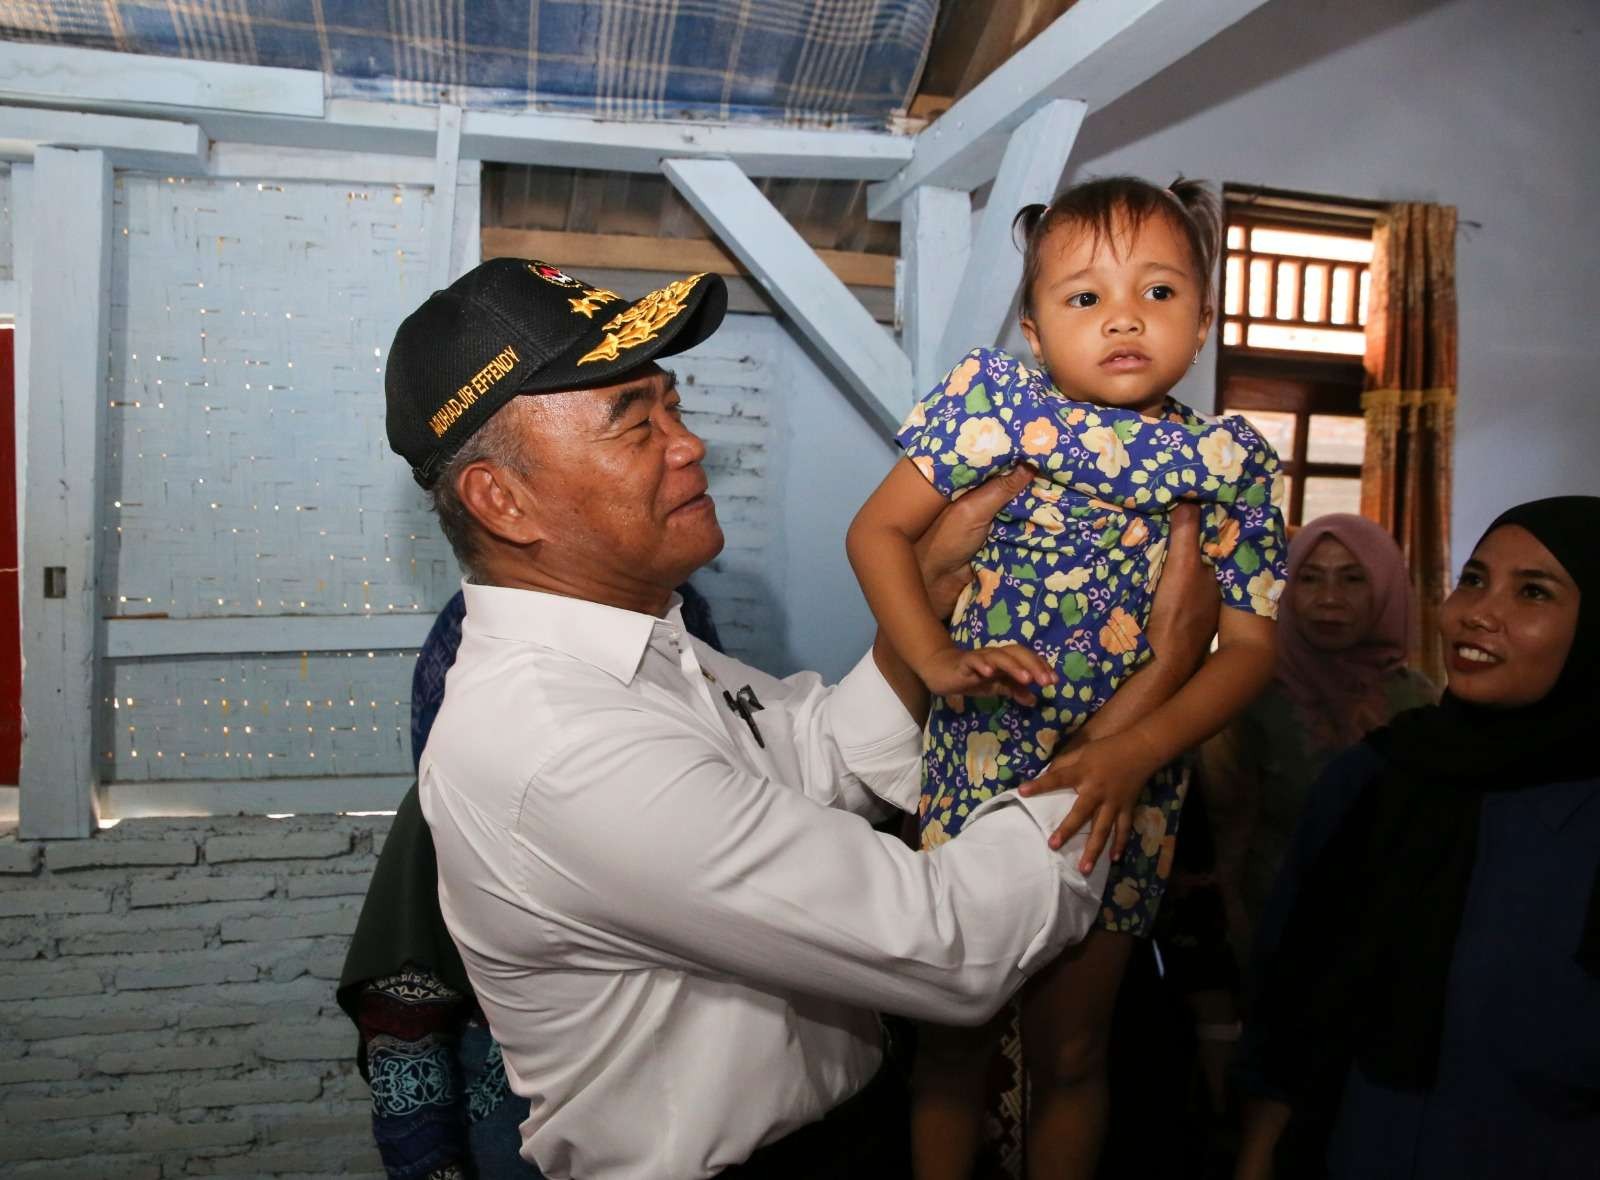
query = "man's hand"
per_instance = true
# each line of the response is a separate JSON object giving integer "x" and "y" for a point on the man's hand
{"x": 1188, "y": 602}
{"x": 946, "y": 550}
{"x": 1108, "y": 775}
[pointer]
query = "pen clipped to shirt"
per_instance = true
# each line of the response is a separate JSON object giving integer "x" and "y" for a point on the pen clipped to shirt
{"x": 746, "y": 705}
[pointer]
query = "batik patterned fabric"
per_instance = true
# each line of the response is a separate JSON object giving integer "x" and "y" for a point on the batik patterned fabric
{"x": 408, "y": 1022}
{"x": 1070, "y": 569}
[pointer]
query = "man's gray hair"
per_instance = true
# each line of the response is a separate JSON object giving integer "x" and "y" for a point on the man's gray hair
{"x": 498, "y": 441}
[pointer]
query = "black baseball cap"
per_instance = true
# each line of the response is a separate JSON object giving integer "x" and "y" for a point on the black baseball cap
{"x": 518, "y": 325}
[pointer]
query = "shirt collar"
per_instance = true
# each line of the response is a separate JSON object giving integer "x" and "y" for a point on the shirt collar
{"x": 608, "y": 637}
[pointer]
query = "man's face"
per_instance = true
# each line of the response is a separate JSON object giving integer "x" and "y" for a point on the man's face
{"x": 618, "y": 488}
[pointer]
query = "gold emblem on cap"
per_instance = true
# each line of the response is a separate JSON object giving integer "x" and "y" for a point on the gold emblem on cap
{"x": 643, "y": 321}
{"x": 594, "y": 298}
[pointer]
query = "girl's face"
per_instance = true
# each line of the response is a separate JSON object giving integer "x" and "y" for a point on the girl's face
{"x": 1117, "y": 322}
{"x": 1510, "y": 621}
{"x": 1332, "y": 597}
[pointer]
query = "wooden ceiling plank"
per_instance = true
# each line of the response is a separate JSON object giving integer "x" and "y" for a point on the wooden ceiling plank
{"x": 678, "y": 255}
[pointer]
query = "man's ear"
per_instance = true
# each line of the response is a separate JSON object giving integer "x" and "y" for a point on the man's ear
{"x": 500, "y": 501}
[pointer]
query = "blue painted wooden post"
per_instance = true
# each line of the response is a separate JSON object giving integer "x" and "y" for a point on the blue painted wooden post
{"x": 935, "y": 242}
{"x": 447, "y": 154}
{"x": 67, "y": 322}
{"x": 1031, "y": 169}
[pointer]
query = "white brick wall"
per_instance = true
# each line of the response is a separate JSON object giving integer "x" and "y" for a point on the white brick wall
{"x": 168, "y": 1000}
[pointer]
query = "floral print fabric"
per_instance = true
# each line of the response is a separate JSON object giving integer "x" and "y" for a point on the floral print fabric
{"x": 1071, "y": 564}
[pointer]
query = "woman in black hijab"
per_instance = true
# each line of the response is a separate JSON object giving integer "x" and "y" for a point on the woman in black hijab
{"x": 1429, "y": 969}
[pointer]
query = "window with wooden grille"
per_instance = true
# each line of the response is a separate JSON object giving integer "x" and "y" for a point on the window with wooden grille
{"x": 1294, "y": 306}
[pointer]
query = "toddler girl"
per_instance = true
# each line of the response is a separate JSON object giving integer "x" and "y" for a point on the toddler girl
{"x": 1116, "y": 304}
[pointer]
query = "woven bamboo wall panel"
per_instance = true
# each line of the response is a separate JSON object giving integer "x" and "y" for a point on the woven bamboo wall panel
{"x": 247, "y": 473}
{"x": 728, "y": 385}
{"x": 246, "y": 467}
{"x": 253, "y": 717}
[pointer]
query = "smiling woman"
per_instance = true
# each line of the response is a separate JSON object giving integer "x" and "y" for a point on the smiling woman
{"x": 1475, "y": 827}
{"x": 1511, "y": 621}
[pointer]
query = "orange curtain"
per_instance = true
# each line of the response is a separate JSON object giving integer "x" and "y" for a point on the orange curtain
{"x": 1410, "y": 403}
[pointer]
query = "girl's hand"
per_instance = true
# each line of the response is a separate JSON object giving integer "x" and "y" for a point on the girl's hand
{"x": 1108, "y": 775}
{"x": 1010, "y": 670}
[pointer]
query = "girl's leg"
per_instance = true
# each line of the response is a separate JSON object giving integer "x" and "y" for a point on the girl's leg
{"x": 947, "y": 1093}
{"x": 1066, "y": 1028}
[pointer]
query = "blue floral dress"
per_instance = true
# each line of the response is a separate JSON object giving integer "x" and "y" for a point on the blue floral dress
{"x": 1070, "y": 569}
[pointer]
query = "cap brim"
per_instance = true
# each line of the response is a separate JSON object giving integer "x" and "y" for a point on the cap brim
{"x": 664, "y": 322}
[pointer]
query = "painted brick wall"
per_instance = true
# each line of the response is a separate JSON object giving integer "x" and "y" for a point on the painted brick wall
{"x": 166, "y": 1000}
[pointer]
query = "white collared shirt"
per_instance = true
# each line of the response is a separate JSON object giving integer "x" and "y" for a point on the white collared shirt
{"x": 680, "y": 938}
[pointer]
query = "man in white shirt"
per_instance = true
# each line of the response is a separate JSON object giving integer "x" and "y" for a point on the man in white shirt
{"x": 654, "y": 859}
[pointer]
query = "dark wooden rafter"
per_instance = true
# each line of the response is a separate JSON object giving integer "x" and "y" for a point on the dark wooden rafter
{"x": 971, "y": 41}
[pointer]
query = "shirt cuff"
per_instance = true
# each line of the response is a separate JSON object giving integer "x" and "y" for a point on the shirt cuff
{"x": 879, "y": 741}
{"x": 1077, "y": 896}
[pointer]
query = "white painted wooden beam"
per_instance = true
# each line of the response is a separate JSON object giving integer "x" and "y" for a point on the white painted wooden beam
{"x": 577, "y": 141}
{"x": 935, "y": 242}
{"x": 347, "y": 125}
{"x": 1030, "y": 172}
{"x": 1096, "y": 51}
{"x": 128, "y": 141}
{"x": 89, "y": 78}
{"x": 799, "y": 282}
{"x": 157, "y": 638}
{"x": 442, "y": 216}
{"x": 466, "y": 242}
{"x": 566, "y": 141}
{"x": 243, "y": 161}
{"x": 67, "y": 323}
{"x": 271, "y": 796}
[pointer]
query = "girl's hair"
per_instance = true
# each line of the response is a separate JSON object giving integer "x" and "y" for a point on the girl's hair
{"x": 1099, "y": 205}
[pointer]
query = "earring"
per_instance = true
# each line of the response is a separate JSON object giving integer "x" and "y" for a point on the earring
{"x": 1196, "y": 360}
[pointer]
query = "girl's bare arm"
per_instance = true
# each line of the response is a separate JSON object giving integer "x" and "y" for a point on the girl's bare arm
{"x": 881, "y": 546}
{"x": 1114, "y": 769}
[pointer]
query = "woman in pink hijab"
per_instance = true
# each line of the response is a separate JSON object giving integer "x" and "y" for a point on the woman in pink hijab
{"x": 1343, "y": 628}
